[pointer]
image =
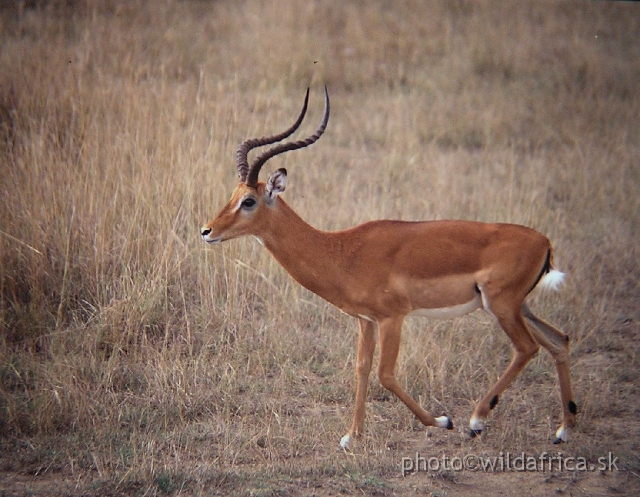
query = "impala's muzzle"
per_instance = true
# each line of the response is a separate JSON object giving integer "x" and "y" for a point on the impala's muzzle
{"x": 205, "y": 236}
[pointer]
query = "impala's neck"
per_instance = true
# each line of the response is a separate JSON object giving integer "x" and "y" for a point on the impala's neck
{"x": 312, "y": 257}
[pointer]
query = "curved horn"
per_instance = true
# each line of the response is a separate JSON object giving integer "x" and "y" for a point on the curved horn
{"x": 254, "y": 171}
{"x": 247, "y": 145}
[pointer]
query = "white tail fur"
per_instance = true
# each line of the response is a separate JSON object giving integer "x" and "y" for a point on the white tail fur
{"x": 552, "y": 280}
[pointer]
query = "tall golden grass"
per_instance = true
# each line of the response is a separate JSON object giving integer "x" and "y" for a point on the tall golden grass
{"x": 133, "y": 359}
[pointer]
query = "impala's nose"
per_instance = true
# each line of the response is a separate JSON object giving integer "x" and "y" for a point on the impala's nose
{"x": 205, "y": 232}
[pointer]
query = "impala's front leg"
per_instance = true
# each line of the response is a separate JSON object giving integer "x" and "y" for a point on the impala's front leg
{"x": 364, "y": 359}
{"x": 390, "y": 330}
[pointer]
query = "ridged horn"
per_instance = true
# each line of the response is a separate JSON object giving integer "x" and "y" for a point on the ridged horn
{"x": 247, "y": 145}
{"x": 254, "y": 170}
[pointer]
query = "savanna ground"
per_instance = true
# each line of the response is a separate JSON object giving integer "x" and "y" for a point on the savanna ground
{"x": 134, "y": 360}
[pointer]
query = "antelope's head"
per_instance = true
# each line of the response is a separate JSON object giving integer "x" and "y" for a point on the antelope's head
{"x": 252, "y": 201}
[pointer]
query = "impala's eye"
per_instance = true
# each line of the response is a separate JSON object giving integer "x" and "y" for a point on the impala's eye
{"x": 248, "y": 203}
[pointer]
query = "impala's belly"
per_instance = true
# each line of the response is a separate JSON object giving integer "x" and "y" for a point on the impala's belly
{"x": 449, "y": 312}
{"x": 444, "y": 297}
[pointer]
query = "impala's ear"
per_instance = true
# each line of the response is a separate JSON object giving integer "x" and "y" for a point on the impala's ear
{"x": 276, "y": 184}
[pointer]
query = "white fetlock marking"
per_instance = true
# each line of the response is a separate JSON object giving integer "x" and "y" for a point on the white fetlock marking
{"x": 562, "y": 434}
{"x": 442, "y": 422}
{"x": 345, "y": 442}
{"x": 476, "y": 424}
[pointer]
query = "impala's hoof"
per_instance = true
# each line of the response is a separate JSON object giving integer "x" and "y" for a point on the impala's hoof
{"x": 474, "y": 433}
{"x": 562, "y": 435}
{"x": 444, "y": 422}
{"x": 476, "y": 426}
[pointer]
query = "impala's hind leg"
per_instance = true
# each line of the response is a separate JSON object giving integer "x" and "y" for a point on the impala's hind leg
{"x": 557, "y": 343}
{"x": 525, "y": 347}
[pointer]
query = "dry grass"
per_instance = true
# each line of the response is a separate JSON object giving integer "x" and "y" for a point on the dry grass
{"x": 134, "y": 360}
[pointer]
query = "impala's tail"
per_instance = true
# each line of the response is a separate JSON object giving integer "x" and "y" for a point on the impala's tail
{"x": 552, "y": 280}
{"x": 549, "y": 278}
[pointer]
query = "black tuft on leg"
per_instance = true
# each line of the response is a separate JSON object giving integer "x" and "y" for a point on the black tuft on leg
{"x": 573, "y": 408}
{"x": 493, "y": 402}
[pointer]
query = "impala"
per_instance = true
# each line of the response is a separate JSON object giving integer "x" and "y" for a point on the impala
{"x": 381, "y": 271}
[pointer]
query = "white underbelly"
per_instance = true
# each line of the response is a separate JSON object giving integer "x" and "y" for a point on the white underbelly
{"x": 449, "y": 312}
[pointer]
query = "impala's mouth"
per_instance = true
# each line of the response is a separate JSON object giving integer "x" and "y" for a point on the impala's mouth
{"x": 212, "y": 241}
